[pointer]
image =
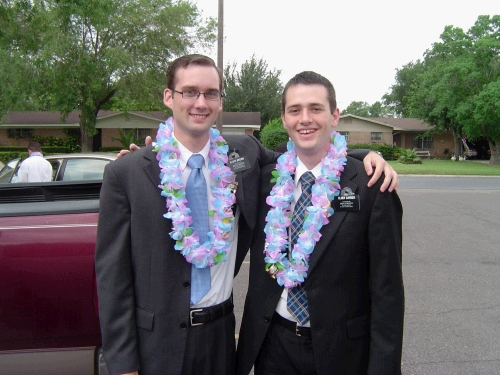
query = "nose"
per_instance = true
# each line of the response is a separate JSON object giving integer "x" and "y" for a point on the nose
{"x": 201, "y": 101}
{"x": 305, "y": 116}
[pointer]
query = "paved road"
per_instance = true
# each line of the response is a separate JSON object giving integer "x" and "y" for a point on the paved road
{"x": 450, "y": 183}
{"x": 451, "y": 265}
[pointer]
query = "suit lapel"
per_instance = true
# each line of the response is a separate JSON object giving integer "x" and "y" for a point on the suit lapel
{"x": 151, "y": 167}
{"x": 329, "y": 230}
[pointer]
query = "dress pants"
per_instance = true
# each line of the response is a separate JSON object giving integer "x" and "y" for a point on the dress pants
{"x": 285, "y": 353}
{"x": 211, "y": 348}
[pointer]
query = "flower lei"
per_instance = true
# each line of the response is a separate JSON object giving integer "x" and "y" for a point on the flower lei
{"x": 292, "y": 272}
{"x": 215, "y": 249}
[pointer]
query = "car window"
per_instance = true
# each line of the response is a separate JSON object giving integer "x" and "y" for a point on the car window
{"x": 56, "y": 164}
{"x": 84, "y": 169}
{"x": 8, "y": 170}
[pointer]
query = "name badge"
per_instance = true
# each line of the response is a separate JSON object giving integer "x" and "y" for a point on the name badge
{"x": 238, "y": 163}
{"x": 346, "y": 201}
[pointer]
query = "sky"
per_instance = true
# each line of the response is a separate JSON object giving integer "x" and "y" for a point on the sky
{"x": 357, "y": 45}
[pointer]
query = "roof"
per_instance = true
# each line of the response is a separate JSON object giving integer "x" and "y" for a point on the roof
{"x": 53, "y": 119}
{"x": 398, "y": 124}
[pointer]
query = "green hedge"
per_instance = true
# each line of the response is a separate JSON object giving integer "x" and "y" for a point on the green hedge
{"x": 273, "y": 134}
{"x": 388, "y": 152}
{"x": 9, "y": 153}
{"x": 6, "y": 156}
{"x": 110, "y": 149}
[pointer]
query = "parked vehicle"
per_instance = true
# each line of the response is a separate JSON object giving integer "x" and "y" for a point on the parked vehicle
{"x": 470, "y": 153}
{"x": 48, "y": 303}
{"x": 65, "y": 167}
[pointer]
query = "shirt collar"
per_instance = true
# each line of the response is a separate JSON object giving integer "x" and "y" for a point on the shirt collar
{"x": 186, "y": 154}
{"x": 301, "y": 169}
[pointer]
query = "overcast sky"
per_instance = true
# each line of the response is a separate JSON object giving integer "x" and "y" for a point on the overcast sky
{"x": 355, "y": 44}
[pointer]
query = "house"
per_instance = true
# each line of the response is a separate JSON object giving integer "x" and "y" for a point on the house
{"x": 17, "y": 127}
{"x": 400, "y": 132}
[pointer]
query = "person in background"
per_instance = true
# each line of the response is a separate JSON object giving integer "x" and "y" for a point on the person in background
{"x": 35, "y": 168}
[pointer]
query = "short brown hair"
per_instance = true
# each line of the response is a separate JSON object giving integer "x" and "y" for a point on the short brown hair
{"x": 184, "y": 61}
{"x": 310, "y": 78}
{"x": 34, "y": 146}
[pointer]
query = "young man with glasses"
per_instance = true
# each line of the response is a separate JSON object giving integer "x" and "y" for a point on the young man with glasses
{"x": 156, "y": 317}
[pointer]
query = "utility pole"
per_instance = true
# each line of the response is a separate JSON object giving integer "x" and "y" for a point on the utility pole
{"x": 220, "y": 60}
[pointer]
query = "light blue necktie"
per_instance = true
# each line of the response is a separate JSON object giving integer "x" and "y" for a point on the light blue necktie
{"x": 197, "y": 201}
{"x": 297, "y": 297}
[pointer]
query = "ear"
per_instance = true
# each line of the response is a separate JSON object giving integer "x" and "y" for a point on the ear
{"x": 220, "y": 105}
{"x": 167, "y": 98}
{"x": 335, "y": 117}
{"x": 283, "y": 120}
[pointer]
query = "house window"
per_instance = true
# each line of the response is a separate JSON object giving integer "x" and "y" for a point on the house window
{"x": 346, "y": 135}
{"x": 141, "y": 134}
{"x": 376, "y": 136}
{"x": 21, "y": 133}
{"x": 423, "y": 142}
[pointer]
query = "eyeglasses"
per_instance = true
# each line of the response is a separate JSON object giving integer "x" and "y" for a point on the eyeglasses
{"x": 195, "y": 94}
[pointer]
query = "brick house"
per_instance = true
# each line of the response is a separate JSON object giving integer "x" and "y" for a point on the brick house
{"x": 17, "y": 127}
{"x": 401, "y": 132}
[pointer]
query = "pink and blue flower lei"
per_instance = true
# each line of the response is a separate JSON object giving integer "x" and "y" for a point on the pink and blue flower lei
{"x": 215, "y": 249}
{"x": 293, "y": 271}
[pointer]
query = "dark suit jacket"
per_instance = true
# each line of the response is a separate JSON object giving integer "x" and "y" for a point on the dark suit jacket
{"x": 354, "y": 286}
{"x": 143, "y": 284}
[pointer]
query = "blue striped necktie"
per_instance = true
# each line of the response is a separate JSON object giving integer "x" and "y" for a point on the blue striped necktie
{"x": 297, "y": 297}
{"x": 197, "y": 201}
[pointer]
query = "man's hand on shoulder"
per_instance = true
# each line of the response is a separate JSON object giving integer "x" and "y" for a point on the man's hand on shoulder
{"x": 134, "y": 147}
{"x": 375, "y": 164}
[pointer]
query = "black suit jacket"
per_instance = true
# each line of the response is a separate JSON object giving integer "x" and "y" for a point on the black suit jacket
{"x": 142, "y": 282}
{"x": 354, "y": 286}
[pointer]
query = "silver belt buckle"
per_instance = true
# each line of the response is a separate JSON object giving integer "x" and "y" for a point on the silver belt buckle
{"x": 191, "y": 317}
{"x": 297, "y": 330}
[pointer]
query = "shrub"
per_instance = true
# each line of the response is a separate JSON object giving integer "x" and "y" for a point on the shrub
{"x": 273, "y": 134}
{"x": 409, "y": 157}
{"x": 387, "y": 151}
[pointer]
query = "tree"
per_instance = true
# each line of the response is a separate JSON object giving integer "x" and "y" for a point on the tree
{"x": 357, "y": 109}
{"x": 458, "y": 89}
{"x": 253, "y": 89}
{"x": 363, "y": 109}
{"x": 83, "y": 53}
{"x": 397, "y": 98}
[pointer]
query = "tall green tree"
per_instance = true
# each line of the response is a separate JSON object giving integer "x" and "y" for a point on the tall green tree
{"x": 458, "y": 89}
{"x": 397, "y": 98}
{"x": 83, "y": 53}
{"x": 363, "y": 109}
{"x": 254, "y": 88}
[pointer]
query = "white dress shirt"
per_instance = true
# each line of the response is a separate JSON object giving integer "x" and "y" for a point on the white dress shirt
{"x": 222, "y": 274}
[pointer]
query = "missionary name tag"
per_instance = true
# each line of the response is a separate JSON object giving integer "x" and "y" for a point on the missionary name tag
{"x": 346, "y": 201}
{"x": 238, "y": 163}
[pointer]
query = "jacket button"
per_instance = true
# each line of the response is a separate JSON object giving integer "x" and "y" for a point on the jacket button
{"x": 267, "y": 319}
{"x": 186, "y": 285}
{"x": 183, "y": 325}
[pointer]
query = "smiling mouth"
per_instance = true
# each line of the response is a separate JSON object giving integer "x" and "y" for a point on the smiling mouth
{"x": 198, "y": 116}
{"x": 306, "y": 131}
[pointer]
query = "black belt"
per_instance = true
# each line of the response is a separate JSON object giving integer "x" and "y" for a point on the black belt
{"x": 209, "y": 314}
{"x": 291, "y": 326}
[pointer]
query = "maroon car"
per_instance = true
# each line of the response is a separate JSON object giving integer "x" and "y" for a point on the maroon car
{"x": 48, "y": 309}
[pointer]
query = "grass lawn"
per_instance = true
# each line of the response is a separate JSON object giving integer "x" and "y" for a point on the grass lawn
{"x": 447, "y": 167}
